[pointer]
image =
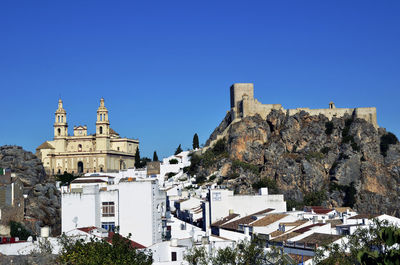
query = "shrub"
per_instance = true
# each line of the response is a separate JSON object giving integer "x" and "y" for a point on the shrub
{"x": 200, "y": 179}
{"x": 212, "y": 178}
{"x": 170, "y": 174}
{"x": 173, "y": 161}
{"x": 236, "y": 164}
{"x": 325, "y": 150}
{"x": 315, "y": 198}
{"x": 386, "y": 140}
{"x": 314, "y": 155}
{"x": 329, "y": 127}
{"x": 219, "y": 147}
{"x": 290, "y": 204}
{"x": 266, "y": 183}
{"x": 18, "y": 230}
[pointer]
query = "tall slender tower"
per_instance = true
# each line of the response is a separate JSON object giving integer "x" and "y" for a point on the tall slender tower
{"x": 102, "y": 128}
{"x": 102, "y": 123}
{"x": 60, "y": 123}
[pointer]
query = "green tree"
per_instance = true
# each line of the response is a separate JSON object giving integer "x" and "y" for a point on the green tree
{"x": 137, "y": 158}
{"x": 155, "y": 156}
{"x": 100, "y": 252}
{"x": 196, "y": 141}
{"x": 197, "y": 256}
{"x": 65, "y": 178}
{"x": 372, "y": 245}
{"x": 19, "y": 230}
{"x": 178, "y": 150}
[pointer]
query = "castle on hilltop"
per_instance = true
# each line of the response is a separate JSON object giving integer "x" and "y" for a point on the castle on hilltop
{"x": 244, "y": 104}
{"x": 104, "y": 151}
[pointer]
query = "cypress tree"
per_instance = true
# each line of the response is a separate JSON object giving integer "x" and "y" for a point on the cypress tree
{"x": 178, "y": 150}
{"x": 137, "y": 158}
{"x": 155, "y": 156}
{"x": 195, "y": 141}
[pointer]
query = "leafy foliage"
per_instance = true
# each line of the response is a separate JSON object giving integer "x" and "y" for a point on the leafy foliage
{"x": 314, "y": 155}
{"x": 315, "y": 198}
{"x": 329, "y": 127}
{"x": 349, "y": 190}
{"x": 99, "y": 252}
{"x": 195, "y": 141}
{"x": 266, "y": 183}
{"x": 18, "y": 230}
{"x": 244, "y": 252}
{"x": 372, "y": 245}
{"x": 173, "y": 161}
{"x": 66, "y": 178}
{"x": 155, "y": 156}
{"x": 325, "y": 150}
{"x": 137, "y": 158}
{"x": 236, "y": 164}
{"x": 219, "y": 147}
{"x": 178, "y": 150}
{"x": 386, "y": 140}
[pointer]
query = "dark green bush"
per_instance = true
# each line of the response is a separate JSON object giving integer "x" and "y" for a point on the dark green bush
{"x": 219, "y": 147}
{"x": 315, "y": 198}
{"x": 266, "y": 183}
{"x": 325, "y": 150}
{"x": 386, "y": 140}
{"x": 212, "y": 178}
{"x": 171, "y": 174}
{"x": 200, "y": 180}
{"x": 329, "y": 127}
{"x": 18, "y": 230}
{"x": 173, "y": 161}
{"x": 236, "y": 164}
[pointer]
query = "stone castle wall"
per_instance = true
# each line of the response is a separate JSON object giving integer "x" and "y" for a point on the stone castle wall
{"x": 244, "y": 104}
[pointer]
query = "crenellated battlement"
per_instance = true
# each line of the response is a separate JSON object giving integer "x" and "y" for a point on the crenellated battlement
{"x": 244, "y": 104}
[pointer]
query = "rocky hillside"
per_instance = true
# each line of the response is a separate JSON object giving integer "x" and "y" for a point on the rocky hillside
{"x": 311, "y": 160}
{"x": 43, "y": 201}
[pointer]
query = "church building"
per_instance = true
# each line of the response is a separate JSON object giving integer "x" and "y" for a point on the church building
{"x": 103, "y": 151}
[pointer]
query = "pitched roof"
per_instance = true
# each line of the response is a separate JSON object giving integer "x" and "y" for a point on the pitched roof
{"x": 296, "y": 223}
{"x": 234, "y": 225}
{"x": 88, "y": 181}
{"x": 45, "y": 145}
{"x": 320, "y": 239}
{"x": 334, "y": 222}
{"x": 224, "y": 220}
{"x": 87, "y": 229}
{"x": 308, "y": 228}
{"x": 133, "y": 243}
{"x": 269, "y": 219}
{"x": 285, "y": 237}
{"x": 364, "y": 216}
{"x": 113, "y": 132}
{"x": 343, "y": 209}
{"x": 276, "y": 233}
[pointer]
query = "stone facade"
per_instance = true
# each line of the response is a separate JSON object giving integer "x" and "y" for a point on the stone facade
{"x": 244, "y": 104}
{"x": 103, "y": 151}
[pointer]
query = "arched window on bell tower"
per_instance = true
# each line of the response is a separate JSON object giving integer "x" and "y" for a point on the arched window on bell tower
{"x": 59, "y": 131}
{"x": 101, "y": 130}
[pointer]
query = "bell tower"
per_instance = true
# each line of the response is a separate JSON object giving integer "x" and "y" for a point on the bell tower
{"x": 102, "y": 123}
{"x": 60, "y": 123}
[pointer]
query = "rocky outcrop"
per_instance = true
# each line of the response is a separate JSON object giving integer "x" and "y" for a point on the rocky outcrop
{"x": 311, "y": 160}
{"x": 43, "y": 201}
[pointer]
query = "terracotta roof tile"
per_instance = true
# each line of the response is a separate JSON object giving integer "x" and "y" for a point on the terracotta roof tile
{"x": 320, "y": 239}
{"x": 364, "y": 216}
{"x": 308, "y": 228}
{"x": 45, "y": 145}
{"x": 234, "y": 225}
{"x": 269, "y": 219}
{"x": 285, "y": 237}
{"x": 224, "y": 220}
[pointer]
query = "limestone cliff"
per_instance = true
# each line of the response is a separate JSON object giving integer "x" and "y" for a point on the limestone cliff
{"x": 309, "y": 159}
{"x": 43, "y": 200}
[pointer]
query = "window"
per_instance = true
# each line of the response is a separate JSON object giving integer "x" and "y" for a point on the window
{"x": 108, "y": 209}
{"x": 59, "y": 131}
{"x": 79, "y": 147}
{"x": 109, "y": 226}
{"x": 173, "y": 256}
{"x": 101, "y": 130}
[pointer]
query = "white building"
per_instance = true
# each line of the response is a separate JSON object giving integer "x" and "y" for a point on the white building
{"x": 135, "y": 206}
{"x": 223, "y": 202}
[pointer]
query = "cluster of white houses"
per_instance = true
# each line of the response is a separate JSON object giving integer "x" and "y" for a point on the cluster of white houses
{"x": 165, "y": 212}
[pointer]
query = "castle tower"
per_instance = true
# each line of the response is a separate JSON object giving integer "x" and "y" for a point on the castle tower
{"x": 102, "y": 123}
{"x": 60, "y": 123}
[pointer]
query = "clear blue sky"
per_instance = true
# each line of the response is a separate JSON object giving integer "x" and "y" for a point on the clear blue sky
{"x": 165, "y": 67}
